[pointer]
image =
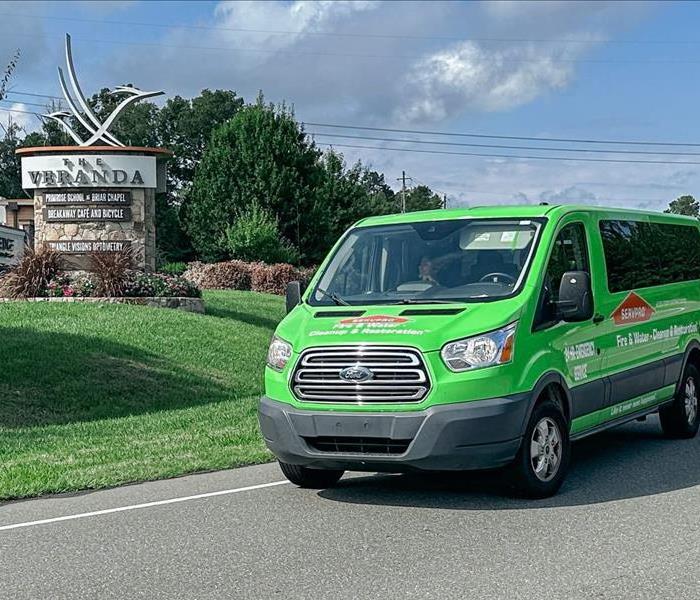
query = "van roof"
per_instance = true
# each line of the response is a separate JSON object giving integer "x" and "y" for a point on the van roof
{"x": 522, "y": 211}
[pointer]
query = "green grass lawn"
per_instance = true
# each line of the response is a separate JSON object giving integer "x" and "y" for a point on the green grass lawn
{"x": 98, "y": 395}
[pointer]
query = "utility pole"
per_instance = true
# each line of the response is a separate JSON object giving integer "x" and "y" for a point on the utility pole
{"x": 403, "y": 179}
{"x": 444, "y": 201}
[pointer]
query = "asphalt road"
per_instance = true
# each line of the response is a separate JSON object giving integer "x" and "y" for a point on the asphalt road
{"x": 626, "y": 525}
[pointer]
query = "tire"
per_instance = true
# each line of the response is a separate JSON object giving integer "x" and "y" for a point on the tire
{"x": 680, "y": 418}
{"x": 310, "y": 478}
{"x": 542, "y": 461}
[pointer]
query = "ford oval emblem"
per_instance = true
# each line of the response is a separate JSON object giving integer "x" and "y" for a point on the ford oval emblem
{"x": 356, "y": 374}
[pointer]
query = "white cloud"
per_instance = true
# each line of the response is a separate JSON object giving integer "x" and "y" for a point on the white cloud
{"x": 683, "y": 177}
{"x": 295, "y": 20}
{"x": 372, "y": 61}
{"x": 572, "y": 194}
{"x": 27, "y": 122}
{"x": 467, "y": 77}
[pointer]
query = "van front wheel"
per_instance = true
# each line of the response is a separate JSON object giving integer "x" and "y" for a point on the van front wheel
{"x": 680, "y": 418}
{"x": 540, "y": 466}
{"x": 310, "y": 478}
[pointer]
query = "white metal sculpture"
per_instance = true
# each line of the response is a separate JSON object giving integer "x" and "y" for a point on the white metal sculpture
{"x": 80, "y": 109}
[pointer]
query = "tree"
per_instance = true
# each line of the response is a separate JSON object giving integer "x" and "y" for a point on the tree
{"x": 10, "y": 177}
{"x": 349, "y": 195}
{"x": 260, "y": 156}
{"x": 422, "y": 197}
{"x": 185, "y": 127}
{"x": 10, "y": 182}
{"x": 172, "y": 242}
{"x": 684, "y": 205}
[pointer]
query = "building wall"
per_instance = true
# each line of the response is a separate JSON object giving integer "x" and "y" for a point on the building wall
{"x": 24, "y": 216}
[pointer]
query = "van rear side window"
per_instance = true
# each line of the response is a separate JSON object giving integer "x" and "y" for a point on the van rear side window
{"x": 640, "y": 254}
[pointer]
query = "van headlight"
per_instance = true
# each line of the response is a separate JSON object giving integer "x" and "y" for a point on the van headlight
{"x": 489, "y": 349}
{"x": 278, "y": 354}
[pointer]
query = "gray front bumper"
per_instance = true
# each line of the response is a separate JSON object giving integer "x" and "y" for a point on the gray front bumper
{"x": 469, "y": 435}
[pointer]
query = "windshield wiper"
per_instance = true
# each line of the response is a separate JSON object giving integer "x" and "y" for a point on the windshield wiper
{"x": 415, "y": 301}
{"x": 333, "y": 296}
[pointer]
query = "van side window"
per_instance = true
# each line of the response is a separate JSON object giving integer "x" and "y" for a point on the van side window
{"x": 640, "y": 254}
{"x": 569, "y": 253}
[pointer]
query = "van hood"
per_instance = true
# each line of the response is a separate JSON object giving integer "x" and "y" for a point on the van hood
{"x": 427, "y": 327}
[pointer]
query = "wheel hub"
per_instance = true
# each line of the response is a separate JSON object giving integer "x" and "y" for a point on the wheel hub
{"x": 545, "y": 449}
{"x": 691, "y": 401}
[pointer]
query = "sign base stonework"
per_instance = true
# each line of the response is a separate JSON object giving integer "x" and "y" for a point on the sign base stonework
{"x": 95, "y": 199}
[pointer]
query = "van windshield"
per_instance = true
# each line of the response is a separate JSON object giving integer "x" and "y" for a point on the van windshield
{"x": 457, "y": 260}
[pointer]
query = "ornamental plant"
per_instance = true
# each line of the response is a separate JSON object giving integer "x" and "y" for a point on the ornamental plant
{"x": 84, "y": 286}
{"x": 111, "y": 270}
{"x": 143, "y": 285}
{"x": 60, "y": 286}
{"x": 31, "y": 276}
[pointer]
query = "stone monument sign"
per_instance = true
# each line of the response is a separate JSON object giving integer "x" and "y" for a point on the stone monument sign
{"x": 99, "y": 195}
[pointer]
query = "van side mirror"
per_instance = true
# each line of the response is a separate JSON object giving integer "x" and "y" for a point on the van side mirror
{"x": 575, "y": 297}
{"x": 293, "y": 296}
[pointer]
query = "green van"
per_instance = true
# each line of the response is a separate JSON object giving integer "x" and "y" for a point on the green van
{"x": 482, "y": 338}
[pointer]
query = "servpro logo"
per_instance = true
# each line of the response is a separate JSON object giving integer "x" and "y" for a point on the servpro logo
{"x": 371, "y": 325}
{"x": 633, "y": 309}
{"x": 374, "y": 320}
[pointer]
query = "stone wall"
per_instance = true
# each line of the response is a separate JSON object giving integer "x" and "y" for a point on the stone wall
{"x": 187, "y": 304}
{"x": 140, "y": 231}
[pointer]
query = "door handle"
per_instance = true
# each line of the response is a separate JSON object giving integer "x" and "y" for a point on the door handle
{"x": 598, "y": 318}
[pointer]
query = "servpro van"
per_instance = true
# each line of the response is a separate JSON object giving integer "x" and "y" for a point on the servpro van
{"x": 482, "y": 338}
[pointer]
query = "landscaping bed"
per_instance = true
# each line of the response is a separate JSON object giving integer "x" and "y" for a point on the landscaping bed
{"x": 176, "y": 302}
{"x": 96, "y": 395}
{"x": 249, "y": 276}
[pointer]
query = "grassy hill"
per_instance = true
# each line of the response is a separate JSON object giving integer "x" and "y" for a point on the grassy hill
{"x": 98, "y": 395}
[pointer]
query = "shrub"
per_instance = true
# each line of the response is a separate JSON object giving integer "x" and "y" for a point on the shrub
{"x": 273, "y": 279}
{"x": 31, "y": 276}
{"x": 239, "y": 275}
{"x": 233, "y": 274}
{"x": 174, "y": 268}
{"x": 110, "y": 270}
{"x": 255, "y": 236}
{"x": 142, "y": 285}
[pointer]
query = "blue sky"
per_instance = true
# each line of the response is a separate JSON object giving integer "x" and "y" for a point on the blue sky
{"x": 602, "y": 70}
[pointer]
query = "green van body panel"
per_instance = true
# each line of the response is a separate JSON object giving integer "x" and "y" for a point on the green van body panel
{"x": 599, "y": 362}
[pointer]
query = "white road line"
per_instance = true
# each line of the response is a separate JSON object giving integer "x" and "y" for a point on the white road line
{"x": 107, "y": 511}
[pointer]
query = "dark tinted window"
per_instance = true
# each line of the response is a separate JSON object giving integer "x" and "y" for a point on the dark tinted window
{"x": 639, "y": 255}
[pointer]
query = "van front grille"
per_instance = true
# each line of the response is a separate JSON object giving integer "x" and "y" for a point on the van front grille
{"x": 381, "y": 374}
{"x": 357, "y": 445}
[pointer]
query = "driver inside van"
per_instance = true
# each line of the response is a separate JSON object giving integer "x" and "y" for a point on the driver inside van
{"x": 426, "y": 271}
